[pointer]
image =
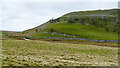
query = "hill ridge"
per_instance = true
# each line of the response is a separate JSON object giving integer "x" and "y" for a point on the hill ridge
{"x": 102, "y": 20}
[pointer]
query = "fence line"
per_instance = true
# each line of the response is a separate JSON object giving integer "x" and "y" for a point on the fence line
{"x": 30, "y": 37}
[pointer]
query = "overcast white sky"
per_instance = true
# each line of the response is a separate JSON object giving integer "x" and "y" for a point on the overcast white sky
{"x": 19, "y": 15}
{"x": 60, "y": 0}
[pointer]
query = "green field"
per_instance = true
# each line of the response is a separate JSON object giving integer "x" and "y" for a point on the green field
{"x": 78, "y": 30}
{"x": 43, "y": 53}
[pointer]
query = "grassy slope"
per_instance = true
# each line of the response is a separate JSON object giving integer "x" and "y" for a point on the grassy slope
{"x": 79, "y": 30}
{"x": 41, "y": 53}
{"x": 71, "y": 23}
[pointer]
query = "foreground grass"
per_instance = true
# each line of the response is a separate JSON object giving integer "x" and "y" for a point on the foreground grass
{"x": 42, "y": 53}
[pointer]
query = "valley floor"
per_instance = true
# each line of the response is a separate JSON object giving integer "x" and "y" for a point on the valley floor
{"x": 43, "y": 53}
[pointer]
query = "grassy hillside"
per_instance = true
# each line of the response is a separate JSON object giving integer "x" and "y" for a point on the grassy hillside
{"x": 42, "y": 53}
{"x": 78, "y": 30}
{"x": 98, "y": 24}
